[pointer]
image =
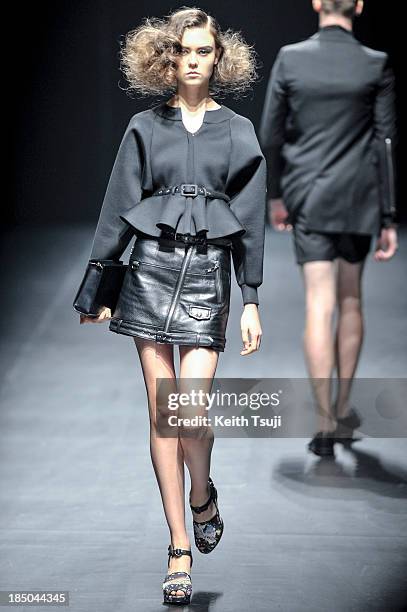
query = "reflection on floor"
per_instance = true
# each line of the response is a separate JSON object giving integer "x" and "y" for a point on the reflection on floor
{"x": 81, "y": 510}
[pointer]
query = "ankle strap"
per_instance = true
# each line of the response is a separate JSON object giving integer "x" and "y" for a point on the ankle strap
{"x": 199, "y": 509}
{"x": 178, "y": 552}
{"x": 212, "y": 496}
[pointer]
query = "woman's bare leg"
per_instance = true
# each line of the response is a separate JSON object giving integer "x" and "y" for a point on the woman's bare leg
{"x": 320, "y": 298}
{"x": 157, "y": 361}
{"x": 198, "y": 364}
{"x": 349, "y": 335}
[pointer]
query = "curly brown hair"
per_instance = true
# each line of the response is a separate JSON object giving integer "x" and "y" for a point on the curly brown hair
{"x": 148, "y": 55}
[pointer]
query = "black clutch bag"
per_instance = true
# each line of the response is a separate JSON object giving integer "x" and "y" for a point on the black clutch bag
{"x": 100, "y": 286}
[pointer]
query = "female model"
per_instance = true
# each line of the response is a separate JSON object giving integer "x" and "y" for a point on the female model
{"x": 189, "y": 182}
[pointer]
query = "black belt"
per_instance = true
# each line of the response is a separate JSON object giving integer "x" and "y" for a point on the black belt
{"x": 191, "y": 190}
{"x": 171, "y": 237}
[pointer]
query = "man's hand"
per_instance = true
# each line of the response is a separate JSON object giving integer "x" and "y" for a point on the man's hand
{"x": 251, "y": 329}
{"x": 104, "y": 314}
{"x": 386, "y": 244}
{"x": 278, "y": 214}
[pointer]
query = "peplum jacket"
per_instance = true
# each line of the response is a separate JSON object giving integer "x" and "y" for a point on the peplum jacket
{"x": 157, "y": 151}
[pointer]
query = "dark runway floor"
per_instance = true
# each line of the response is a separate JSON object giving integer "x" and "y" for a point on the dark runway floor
{"x": 80, "y": 507}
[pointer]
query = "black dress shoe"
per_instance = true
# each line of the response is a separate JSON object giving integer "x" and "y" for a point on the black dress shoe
{"x": 322, "y": 444}
{"x": 346, "y": 425}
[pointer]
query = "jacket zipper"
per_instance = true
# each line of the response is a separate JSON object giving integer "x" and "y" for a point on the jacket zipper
{"x": 178, "y": 286}
{"x": 189, "y": 202}
{"x": 390, "y": 173}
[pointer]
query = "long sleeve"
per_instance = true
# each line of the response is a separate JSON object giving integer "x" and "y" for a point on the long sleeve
{"x": 246, "y": 185}
{"x": 272, "y": 126}
{"x": 123, "y": 191}
{"x": 385, "y": 137}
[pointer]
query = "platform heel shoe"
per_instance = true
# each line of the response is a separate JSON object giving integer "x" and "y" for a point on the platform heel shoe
{"x": 208, "y": 533}
{"x": 177, "y": 581}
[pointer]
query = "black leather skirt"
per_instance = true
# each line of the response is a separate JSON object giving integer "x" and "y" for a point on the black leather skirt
{"x": 177, "y": 293}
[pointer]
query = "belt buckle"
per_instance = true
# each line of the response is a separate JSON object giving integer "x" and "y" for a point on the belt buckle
{"x": 185, "y": 238}
{"x": 189, "y": 189}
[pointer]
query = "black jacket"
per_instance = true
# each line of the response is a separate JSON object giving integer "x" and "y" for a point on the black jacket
{"x": 223, "y": 155}
{"x": 328, "y": 131}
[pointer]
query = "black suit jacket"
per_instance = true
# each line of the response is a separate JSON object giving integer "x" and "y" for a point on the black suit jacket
{"x": 328, "y": 132}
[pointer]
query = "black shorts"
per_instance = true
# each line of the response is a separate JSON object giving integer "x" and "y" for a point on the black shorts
{"x": 310, "y": 245}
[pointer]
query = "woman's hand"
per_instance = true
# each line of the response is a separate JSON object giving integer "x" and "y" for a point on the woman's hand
{"x": 105, "y": 313}
{"x": 251, "y": 329}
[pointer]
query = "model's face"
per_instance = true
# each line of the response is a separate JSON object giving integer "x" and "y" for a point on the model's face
{"x": 197, "y": 57}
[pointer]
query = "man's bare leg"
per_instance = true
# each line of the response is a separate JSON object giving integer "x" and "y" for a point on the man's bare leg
{"x": 349, "y": 333}
{"x": 320, "y": 297}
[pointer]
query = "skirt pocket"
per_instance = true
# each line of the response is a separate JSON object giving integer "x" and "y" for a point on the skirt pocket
{"x": 221, "y": 275}
{"x": 146, "y": 293}
{"x": 203, "y": 287}
{"x": 218, "y": 281}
